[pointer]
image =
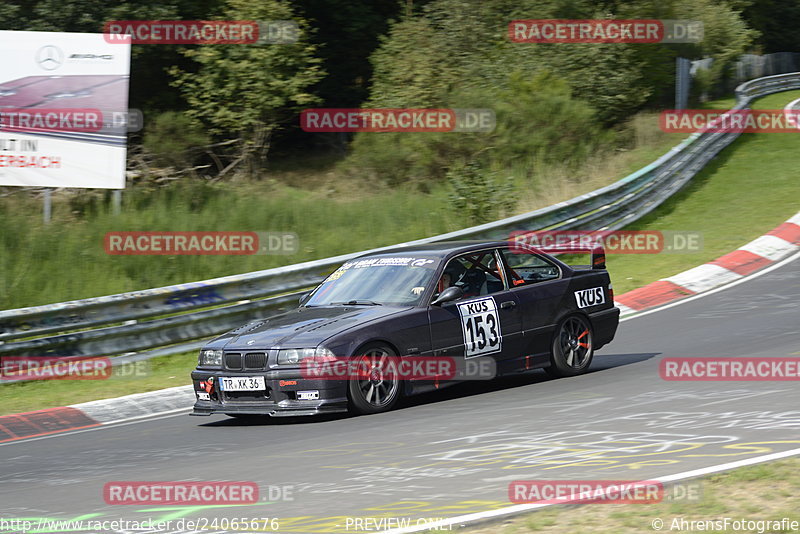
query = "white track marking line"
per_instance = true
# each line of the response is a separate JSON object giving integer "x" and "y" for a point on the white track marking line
{"x": 520, "y": 508}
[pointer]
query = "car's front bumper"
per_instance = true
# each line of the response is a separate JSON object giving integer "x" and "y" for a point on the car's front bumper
{"x": 279, "y": 398}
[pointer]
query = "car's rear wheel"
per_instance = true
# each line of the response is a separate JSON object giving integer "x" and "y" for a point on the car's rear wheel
{"x": 376, "y": 388}
{"x": 572, "y": 348}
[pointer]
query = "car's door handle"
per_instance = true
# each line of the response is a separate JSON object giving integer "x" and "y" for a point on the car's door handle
{"x": 508, "y": 304}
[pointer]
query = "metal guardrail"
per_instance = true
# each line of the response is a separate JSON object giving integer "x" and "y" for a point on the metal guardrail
{"x": 189, "y": 308}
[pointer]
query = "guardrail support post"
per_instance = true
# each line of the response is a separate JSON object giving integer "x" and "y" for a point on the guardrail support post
{"x": 116, "y": 201}
{"x": 48, "y": 206}
{"x": 683, "y": 82}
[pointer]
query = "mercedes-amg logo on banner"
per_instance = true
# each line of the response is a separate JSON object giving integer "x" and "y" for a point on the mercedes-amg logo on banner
{"x": 49, "y": 57}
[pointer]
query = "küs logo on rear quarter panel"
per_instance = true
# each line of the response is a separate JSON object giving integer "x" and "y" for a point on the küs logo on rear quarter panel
{"x": 590, "y": 297}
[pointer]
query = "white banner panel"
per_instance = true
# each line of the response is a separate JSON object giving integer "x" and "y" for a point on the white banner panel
{"x": 63, "y": 104}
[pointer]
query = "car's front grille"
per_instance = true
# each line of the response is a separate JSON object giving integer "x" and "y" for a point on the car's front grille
{"x": 251, "y": 360}
{"x": 233, "y": 360}
{"x": 255, "y": 360}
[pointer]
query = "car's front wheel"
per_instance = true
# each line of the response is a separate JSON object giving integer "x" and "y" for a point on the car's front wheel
{"x": 572, "y": 349}
{"x": 375, "y": 387}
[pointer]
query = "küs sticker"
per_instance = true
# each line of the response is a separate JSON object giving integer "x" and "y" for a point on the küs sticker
{"x": 590, "y": 297}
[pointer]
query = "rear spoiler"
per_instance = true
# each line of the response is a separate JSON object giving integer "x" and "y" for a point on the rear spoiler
{"x": 598, "y": 252}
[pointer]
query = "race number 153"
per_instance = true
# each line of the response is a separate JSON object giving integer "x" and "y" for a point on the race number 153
{"x": 481, "y": 327}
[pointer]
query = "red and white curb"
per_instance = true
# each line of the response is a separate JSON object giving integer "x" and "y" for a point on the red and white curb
{"x": 757, "y": 254}
{"x": 95, "y": 413}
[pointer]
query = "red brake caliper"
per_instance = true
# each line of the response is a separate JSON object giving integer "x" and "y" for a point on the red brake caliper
{"x": 584, "y": 345}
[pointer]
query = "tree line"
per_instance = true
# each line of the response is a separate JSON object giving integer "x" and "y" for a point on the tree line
{"x": 229, "y": 109}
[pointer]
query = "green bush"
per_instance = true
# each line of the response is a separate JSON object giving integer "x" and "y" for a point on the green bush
{"x": 537, "y": 118}
{"x": 479, "y": 195}
{"x": 170, "y": 136}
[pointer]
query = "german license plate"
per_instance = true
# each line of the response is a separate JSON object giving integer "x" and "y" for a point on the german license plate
{"x": 242, "y": 383}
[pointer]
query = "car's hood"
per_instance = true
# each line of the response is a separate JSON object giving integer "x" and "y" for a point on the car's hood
{"x": 300, "y": 328}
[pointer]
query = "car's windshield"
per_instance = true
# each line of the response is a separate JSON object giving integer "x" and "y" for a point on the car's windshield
{"x": 398, "y": 281}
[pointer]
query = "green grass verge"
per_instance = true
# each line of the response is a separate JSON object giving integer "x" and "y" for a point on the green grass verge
{"x": 72, "y": 246}
{"x": 756, "y": 493}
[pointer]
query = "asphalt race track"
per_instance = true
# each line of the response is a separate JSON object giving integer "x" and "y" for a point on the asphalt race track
{"x": 456, "y": 451}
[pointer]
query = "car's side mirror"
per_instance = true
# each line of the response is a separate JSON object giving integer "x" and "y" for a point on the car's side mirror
{"x": 304, "y": 297}
{"x": 448, "y": 295}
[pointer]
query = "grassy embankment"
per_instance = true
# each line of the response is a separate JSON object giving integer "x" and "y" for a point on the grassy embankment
{"x": 764, "y": 492}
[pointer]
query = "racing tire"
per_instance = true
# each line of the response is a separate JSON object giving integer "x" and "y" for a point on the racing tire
{"x": 572, "y": 348}
{"x": 380, "y": 389}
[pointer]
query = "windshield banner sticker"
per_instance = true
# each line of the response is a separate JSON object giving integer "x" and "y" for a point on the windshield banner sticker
{"x": 384, "y": 262}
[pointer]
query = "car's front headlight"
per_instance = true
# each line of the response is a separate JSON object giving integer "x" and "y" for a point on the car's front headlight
{"x": 324, "y": 355}
{"x": 210, "y": 358}
{"x": 295, "y": 356}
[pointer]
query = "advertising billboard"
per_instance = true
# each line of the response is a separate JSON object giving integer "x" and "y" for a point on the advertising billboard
{"x": 63, "y": 109}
